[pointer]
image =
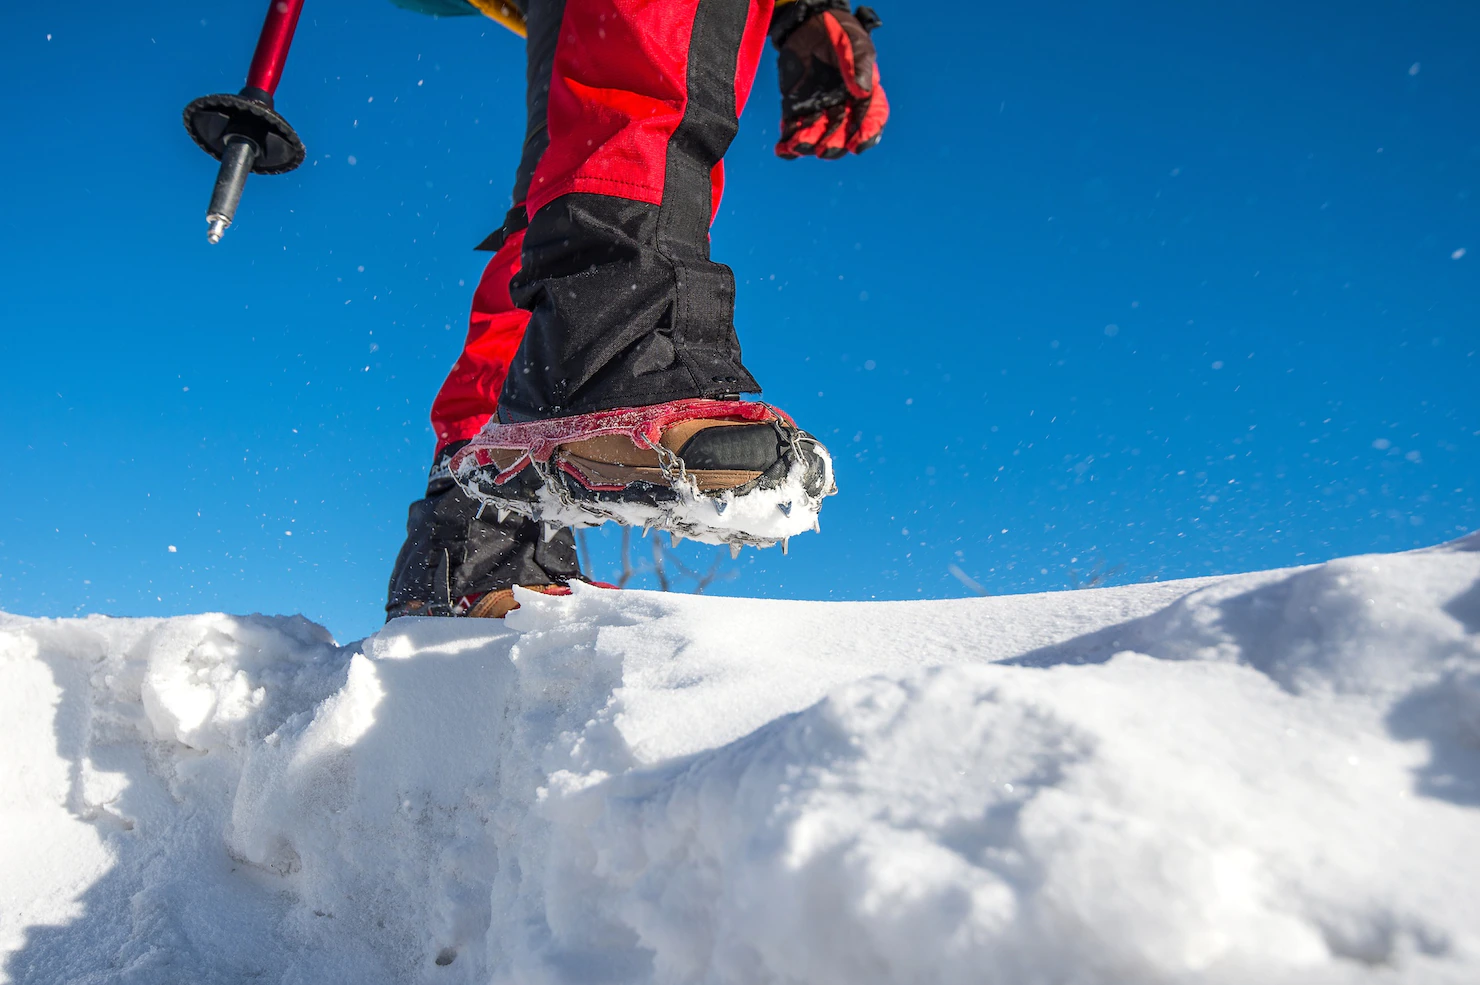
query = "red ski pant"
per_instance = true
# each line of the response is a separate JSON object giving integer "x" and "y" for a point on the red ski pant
{"x": 608, "y": 297}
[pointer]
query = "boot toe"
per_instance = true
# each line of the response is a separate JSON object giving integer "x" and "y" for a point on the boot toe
{"x": 740, "y": 447}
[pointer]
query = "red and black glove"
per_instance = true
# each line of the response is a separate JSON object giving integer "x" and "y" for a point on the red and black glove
{"x": 831, "y": 100}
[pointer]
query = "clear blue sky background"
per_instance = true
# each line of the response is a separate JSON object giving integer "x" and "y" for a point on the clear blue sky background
{"x": 1182, "y": 287}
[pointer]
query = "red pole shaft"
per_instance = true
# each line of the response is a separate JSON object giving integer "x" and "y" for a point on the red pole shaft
{"x": 272, "y": 46}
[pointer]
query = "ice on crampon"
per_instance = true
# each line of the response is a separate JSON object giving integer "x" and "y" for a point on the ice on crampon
{"x": 721, "y": 472}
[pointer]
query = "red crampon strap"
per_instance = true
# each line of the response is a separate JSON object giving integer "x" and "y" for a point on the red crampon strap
{"x": 643, "y": 426}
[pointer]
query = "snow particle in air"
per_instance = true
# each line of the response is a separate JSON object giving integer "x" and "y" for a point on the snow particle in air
{"x": 1382, "y": 444}
{"x": 1457, "y": 254}
{"x": 1111, "y": 331}
{"x": 172, "y": 549}
{"x": 1413, "y": 69}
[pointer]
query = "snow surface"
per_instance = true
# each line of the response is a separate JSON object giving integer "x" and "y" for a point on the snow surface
{"x": 1262, "y": 778}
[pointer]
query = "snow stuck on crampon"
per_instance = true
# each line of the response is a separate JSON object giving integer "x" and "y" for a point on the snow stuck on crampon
{"x": 1264, "y": 778}
{"x": 760, "y": 518}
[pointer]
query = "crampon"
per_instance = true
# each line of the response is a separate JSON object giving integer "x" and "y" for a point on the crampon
{"x": 717, "y": 471}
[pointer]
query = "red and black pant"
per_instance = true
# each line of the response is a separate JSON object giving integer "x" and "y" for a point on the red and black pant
{"x": 602, "y": 293}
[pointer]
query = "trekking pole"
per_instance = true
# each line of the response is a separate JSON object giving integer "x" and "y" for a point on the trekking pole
{"x": 243, "y": 131}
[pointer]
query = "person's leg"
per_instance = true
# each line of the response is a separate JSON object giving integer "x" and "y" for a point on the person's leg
{"x": 621, "y": 403}
{"x": 469, "y": 395}
{"x": 458, "y": 553}
{"x": 452, "y": 557}
{"x": 627, "y": 307}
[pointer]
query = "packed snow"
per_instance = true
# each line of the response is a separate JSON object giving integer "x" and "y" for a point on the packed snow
{"x": 1271, "y": 777}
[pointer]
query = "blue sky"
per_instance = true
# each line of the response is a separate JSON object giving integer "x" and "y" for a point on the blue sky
{"x": 1175, "y": 289}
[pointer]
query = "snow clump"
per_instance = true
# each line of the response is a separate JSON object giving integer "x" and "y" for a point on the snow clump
{"x": 1271, "y": 777}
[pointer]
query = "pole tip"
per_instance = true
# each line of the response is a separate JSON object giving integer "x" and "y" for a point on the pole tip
{"x": 217, "y": 228}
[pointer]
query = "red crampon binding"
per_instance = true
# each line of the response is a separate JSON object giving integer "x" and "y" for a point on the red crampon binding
{"x": 644, "y": 426}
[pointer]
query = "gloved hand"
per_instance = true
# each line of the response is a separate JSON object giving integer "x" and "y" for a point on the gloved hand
{"x": 831, "y": 100}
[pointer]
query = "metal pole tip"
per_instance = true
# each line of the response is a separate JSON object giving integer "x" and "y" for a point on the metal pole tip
{"x": 217, "y": 228}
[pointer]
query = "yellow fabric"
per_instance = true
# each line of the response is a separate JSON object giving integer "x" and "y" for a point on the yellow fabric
{"x": 501, "y": 13}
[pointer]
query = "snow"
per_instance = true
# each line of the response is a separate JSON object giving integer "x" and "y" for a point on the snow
{"x": 1271, "y": 777}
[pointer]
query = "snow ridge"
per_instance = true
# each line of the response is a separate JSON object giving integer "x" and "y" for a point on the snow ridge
{"x": 1268, "y": 777}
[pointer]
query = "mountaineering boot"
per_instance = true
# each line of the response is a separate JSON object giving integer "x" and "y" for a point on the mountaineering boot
{"x": 720, "y": 471}
{"x": 459, "y": 559}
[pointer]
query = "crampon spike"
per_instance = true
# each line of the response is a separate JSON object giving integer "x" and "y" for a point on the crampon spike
{"x": 502, "y": 514}
{"x": 675, "y": 538}
{"x": 785, "y": 545}
{"x": 785, "y": 508}
{"x": 551, "y": 529}
{"x": 734, "y": 549}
